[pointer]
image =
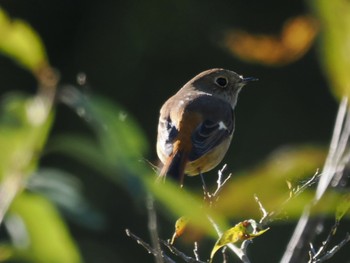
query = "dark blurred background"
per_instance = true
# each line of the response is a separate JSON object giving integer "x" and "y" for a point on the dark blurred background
{"x": 138, "y": 53}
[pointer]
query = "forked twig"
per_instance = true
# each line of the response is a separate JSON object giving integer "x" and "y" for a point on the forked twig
{"x": 180, "y": 254}
{"x": 322, "y": 254}
{"x": 148, "y": 247}
{"x": 333, "y": 169}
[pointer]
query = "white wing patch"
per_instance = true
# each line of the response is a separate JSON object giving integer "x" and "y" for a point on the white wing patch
{"x": 222, "y": 126}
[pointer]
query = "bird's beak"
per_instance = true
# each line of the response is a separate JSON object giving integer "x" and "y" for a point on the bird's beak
{"x": 249, "y": 79}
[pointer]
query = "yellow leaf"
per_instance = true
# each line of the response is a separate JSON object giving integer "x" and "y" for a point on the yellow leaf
{"x": 245, "y": 230}
{"x": 180, "y": 226}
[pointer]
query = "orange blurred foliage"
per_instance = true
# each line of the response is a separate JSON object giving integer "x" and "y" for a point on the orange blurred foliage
{"x": 296, "y": 38}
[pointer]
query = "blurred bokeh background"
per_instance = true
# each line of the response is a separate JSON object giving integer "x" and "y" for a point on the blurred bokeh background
{"x": 138, "y": 53}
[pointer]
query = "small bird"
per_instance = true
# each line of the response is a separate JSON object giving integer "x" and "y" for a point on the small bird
{"x": 197, "y": 123}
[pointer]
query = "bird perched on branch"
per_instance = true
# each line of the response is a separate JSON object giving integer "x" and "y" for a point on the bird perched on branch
{"x": 197, "y": 123}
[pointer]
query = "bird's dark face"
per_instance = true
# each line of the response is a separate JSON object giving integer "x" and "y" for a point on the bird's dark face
{"x": 222, "y": 83}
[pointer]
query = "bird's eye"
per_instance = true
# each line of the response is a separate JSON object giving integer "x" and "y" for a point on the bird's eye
{"x": 221, "y": 81}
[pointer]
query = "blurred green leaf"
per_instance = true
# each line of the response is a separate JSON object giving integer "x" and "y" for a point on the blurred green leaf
{"x": 6, "y": 252}
{"x": 66, "y": 192}
{"x": 120, "y": 141}
{"x": 269, "y": 181}
{"x": 335, "y": 38}
{"x": 343, "y": 206}
{"x": 85, "y": 150}
{"x": 48, "y": 237}
{"x": 24, "y": 126}
{"x": 21, "y": 43}
{"x": 183, "y": 203}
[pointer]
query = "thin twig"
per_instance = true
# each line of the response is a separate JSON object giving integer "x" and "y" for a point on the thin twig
{"x": 241, "y": 254}
{"x": 139, "y": 241}
{"x": 322, "y": 255}
{"x": 333, "y": 251}
{"x": 268, "y": 217}
{"x": 152, "y": 228}
{"x": 195, "y": 251}
{"x": 264, "y": 213}
{"x": 180, "y": 254}
{"x": 224, "y": 255}
{"x": 335, "y": 149}
{"x": 314, "y": 179}
{"x": 326, "y": 243}
{"x": 206, "y": 193}
{"x": 148, "y": 247}
{"x": 334, "y": 166}
{"x": 220, "y": 182}
{"x": 296, "y": 237}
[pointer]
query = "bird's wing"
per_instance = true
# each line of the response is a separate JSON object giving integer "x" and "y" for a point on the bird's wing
{"x": 217, "y": 125}
{"x": 167, "y": 132}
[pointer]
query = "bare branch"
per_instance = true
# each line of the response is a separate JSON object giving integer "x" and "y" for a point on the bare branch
{"x": 139, "y": 241}
{"x": 268, "y": 217}
{"x": 195, "y": 251}
{"x": 210, "y": 198}
{"x": 332, "y": 174}
{"x": 300, "y": 189}
{"x": 333, "y": 251}
{"x": 264, "y": 213}
{"x": 180, "y": 254}
{"x": 322, "y": 254}
{"x": 326, "y": 243}
{"x": 149, "y": 248}
{"x": 337, "y": 147}
{"x": 152, "y": 227}
{"x": 220, "y": 182}
{"x": 224, "y": 255}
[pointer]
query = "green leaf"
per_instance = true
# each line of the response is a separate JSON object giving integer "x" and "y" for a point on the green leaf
{"x": 343, "y": 206}
{"x": 21, "y": 43}
{"x": 285, "y": 166}
{"x": 48, "y": 236}
{"x": 85, "y": 150}
{"x": 66, "y": 192}
{"x": 6, "y": 252}
{"x": 181, "y": 202}
{"x": 24, "y": 126}
{"x": 120, "y": 141}
{"x": 334, "y": 18}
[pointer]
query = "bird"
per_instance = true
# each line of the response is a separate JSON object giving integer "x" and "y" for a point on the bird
{"x": 197, "y": 123}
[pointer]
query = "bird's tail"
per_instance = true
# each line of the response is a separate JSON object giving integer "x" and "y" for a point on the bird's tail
{"x": 174, "y": 167}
